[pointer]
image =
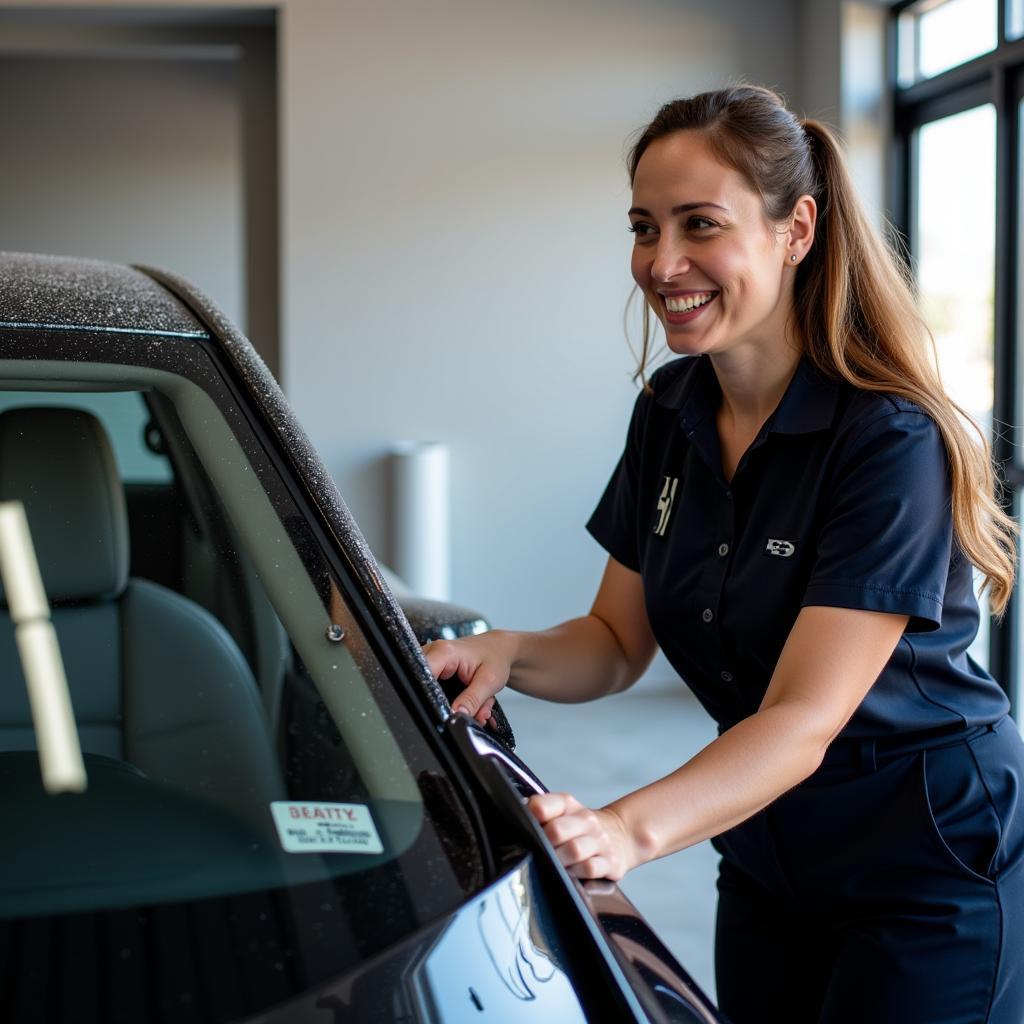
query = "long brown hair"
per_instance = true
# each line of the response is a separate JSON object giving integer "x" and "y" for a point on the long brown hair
{"x": 853, "y": 301}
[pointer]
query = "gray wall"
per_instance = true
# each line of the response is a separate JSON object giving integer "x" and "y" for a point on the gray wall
{"x": 454, "y": 254}
{"x": 456, "y": 259}
{"x": 127, "y": 160}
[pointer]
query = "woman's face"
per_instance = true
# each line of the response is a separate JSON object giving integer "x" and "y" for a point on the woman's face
{"x": 713, "y": 269}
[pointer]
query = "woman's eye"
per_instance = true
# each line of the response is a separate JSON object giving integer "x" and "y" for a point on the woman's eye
{"x": 640, "y": 229}
{"x": 700, "y": 223}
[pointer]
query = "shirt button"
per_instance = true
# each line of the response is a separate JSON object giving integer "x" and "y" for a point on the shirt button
{"x": 723, "y": 549}
{"x": 726, "y": 677}
{"x": 707, "y": 615}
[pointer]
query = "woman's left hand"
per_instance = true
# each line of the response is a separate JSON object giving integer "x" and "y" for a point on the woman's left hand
{"x": 590, "y": 843}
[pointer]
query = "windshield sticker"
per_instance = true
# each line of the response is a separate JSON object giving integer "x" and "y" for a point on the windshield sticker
{"x": 325, "y": 828}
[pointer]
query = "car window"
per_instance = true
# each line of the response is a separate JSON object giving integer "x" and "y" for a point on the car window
{"x": 260, "y": 803}
{"x": 124, "y": 416}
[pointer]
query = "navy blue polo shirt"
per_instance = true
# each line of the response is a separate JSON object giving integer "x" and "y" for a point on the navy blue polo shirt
{"x": 842, "y": 499}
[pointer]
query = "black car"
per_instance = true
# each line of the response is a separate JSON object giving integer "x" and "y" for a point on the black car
{"x": 283, "y": 821}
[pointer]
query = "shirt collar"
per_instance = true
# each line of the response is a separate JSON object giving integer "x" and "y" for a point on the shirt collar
{"x": 809, "y": 402}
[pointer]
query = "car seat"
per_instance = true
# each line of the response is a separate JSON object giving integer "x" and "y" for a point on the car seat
{"x": 155, "y": 679}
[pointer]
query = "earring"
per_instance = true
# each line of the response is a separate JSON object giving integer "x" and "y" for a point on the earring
{"x": 792, "y": 257}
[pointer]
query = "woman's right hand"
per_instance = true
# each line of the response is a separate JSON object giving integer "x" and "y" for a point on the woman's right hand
{"x": 602, "y": 652}
{"x": 482, "y": 664}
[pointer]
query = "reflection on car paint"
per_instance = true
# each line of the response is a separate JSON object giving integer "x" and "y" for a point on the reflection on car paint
{"x": 678, "y": 994}
{"x": 504, "y": 926}
{"x": 496, "y": 959}
{"x": 514, "y": 973}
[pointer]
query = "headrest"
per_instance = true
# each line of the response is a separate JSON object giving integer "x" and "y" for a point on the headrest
{"x": 60, "y": 464}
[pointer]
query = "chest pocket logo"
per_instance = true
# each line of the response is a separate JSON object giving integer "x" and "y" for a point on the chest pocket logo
{"x": 668, "y": 494}
{"x": 779, "y": 548}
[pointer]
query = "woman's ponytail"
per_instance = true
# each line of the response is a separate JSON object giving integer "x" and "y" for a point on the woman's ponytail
{"x": 858, "y": 317}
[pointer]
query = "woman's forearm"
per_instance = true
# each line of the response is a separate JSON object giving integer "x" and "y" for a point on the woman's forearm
{"x": 732, "y": 778}
{"x": 577, "y": 661}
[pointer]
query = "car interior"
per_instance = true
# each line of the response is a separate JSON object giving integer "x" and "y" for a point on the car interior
{"x": 178, "y": 666}
{"x": 127, "y": 640}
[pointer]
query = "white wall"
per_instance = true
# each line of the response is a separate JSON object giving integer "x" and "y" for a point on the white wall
{"x": 455, "y": 260}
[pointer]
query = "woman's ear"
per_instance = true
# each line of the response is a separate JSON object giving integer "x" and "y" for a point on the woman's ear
{"x": 800, "y": 235}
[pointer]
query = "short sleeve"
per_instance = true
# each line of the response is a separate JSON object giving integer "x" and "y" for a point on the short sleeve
{"x": 887, "y": 533}
{"x": 613, "y": 524}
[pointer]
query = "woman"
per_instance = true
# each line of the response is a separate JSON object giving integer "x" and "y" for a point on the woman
{"x": 794, "y": 521}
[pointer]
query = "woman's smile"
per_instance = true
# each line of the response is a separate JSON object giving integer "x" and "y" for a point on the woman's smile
{"x": 685, "y": 307}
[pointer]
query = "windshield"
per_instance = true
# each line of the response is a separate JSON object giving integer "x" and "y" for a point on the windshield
{"x": 261, "y": 812}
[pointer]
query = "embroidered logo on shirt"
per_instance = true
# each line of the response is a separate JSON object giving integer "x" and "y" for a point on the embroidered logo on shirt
{"x": 668, "y": 494}
{"x": 780, "y": 548}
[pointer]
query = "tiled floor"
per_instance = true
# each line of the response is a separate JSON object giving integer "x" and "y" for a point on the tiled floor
{"x": 601, "y": 750}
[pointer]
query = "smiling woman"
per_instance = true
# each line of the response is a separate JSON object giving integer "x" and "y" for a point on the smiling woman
{"x": 794, "y": 521}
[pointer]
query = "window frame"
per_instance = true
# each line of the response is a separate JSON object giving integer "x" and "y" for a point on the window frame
{"x": 996, "y": 77}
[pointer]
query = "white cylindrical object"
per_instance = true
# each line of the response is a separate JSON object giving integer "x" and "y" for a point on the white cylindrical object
{"x": 23, "y": 585}
{"x": 420, "y": 517}
{"x": 60, "y": 756}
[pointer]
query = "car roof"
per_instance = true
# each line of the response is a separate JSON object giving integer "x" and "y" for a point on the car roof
{"x": 67, "y": 293}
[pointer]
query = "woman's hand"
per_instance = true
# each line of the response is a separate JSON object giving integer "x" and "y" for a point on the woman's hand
{"x": 482, "y": 664}
{"x": 590, "y": 843}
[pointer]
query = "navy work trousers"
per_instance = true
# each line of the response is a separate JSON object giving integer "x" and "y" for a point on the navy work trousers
{"x": 886, "y": 889}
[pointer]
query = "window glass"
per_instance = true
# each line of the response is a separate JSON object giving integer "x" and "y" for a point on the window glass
{"x": 954, "y": 246}
{"x": 934, "y": 37}
{"x": 124, "y": 416}
{"x": 260, "y": 804}
{"x": 1014, "y": 19}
